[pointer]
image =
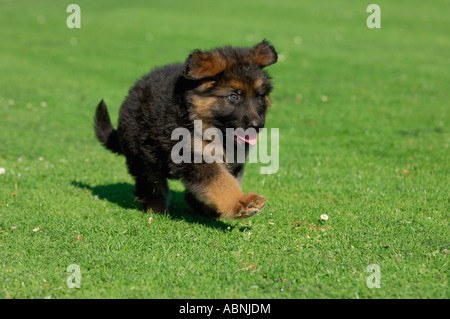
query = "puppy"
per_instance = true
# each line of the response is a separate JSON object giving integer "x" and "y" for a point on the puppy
{"x": 223, "y": 88}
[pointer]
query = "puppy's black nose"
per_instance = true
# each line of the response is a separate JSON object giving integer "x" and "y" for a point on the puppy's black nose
{"x": 257, "y": 123}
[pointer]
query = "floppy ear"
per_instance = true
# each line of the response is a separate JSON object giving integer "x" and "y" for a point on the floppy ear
{"x": 203, "y": 65}
{"x": 264, "y": 54}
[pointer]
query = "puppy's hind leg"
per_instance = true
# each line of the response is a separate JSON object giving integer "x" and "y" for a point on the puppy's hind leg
{"x": 151, "y": 188}
{"x": 153, "y": 194}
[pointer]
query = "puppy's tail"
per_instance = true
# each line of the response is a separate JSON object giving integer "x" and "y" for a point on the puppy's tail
{"x": 104, "y": 130}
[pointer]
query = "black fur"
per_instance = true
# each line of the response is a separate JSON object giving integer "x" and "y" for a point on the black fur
{"x": 104, "y": 130}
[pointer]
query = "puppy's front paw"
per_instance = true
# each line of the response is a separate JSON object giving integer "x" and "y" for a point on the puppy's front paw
{"x": 249, "y": 205}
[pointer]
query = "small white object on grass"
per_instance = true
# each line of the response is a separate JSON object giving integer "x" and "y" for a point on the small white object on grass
{"x": 323, "y": 217}
{"x": 2, "y": 170}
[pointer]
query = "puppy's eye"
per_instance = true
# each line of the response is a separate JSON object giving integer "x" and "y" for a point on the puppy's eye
{"x": 233, "y": 97}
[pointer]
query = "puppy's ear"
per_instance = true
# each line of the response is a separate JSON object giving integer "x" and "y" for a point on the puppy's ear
{"x": 264, "y": 54}
{"x": 201, "y": 65}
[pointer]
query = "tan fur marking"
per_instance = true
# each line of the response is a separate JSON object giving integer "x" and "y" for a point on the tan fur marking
{"x": 224, "y": 193}
{"x": 258, "y": 83}
{"x": 206, "y": 86}
{"x": 268, "y": 101}
{"x": 202, "y": 105}
{"x": 237, "y": 85}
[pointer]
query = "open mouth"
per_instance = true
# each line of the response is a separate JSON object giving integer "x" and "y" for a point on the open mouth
{"x": 246, "y": 138}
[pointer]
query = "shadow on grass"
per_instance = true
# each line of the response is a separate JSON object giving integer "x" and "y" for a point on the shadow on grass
{"x": 122, "y": 194}
{"x": 422, "y": 131}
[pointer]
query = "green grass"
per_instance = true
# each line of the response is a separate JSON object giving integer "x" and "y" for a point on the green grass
{"x": 364, "y": 138}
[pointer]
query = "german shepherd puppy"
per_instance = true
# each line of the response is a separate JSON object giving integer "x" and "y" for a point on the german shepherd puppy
{"x": 224, "y": 88}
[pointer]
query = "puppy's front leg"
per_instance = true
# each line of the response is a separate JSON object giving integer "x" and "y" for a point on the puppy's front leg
{"x": 213, "y": 185}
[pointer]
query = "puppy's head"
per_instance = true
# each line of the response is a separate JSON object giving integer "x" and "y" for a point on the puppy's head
{"x": 232, "y": 89}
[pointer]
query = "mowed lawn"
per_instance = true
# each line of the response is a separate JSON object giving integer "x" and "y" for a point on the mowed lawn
{"x": 364, "y": 138}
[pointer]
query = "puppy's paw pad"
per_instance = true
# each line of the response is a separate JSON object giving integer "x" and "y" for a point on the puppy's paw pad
{"x": 249, "y": 205}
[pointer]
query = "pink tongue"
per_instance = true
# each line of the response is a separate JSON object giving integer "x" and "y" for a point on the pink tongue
{"x": 248, "y": 139}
